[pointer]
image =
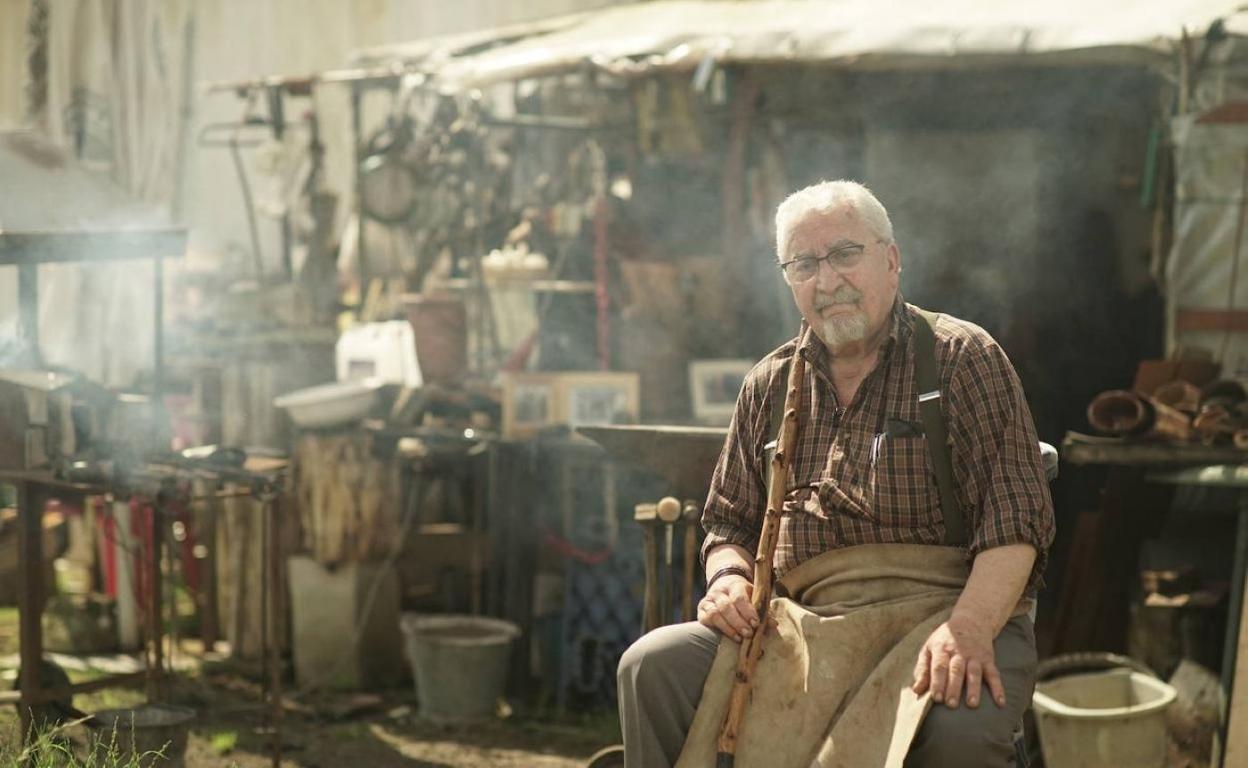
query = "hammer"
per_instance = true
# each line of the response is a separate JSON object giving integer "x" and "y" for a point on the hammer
{"x": 668, "y": 510}
{"x": 645, "y": 514}
{"x": 690, "y": 515}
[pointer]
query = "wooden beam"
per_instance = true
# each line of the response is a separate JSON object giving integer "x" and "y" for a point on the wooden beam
{"x": 1235, "y": 320}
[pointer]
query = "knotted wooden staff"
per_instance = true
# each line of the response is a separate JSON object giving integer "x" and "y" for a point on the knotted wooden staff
{"x": 752, "y": 648}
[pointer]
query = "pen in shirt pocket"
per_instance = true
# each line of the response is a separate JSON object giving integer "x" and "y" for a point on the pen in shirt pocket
{"x": 893, "y": 428}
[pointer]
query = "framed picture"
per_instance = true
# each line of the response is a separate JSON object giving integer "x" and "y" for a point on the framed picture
{"x": 530, "y": 402}
{"x": 588, "y": 399}
{"x": 714, "y": 386}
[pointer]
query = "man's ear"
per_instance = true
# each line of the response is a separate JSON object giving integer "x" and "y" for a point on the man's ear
{"x": 894, "y": 258}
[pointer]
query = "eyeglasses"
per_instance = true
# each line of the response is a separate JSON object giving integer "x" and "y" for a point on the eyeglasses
{"x": 842, "y": 259}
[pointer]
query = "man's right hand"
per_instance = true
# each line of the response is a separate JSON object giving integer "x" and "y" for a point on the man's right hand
{"x": 727, "y": 608}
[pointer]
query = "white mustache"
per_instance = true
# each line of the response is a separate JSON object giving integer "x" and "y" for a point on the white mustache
{"x": 842, "y": 295}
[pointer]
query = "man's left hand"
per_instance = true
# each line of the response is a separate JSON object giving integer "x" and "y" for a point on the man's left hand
{"x": 959, "y": 651}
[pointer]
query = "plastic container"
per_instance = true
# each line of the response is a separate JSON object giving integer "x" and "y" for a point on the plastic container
{"x": 384, "y": 351}
{"x": 143, "y": 732}
{"x": 1111, "y": 717}
{"x": 459, "y": 663}
{"x": 330, "y": 405}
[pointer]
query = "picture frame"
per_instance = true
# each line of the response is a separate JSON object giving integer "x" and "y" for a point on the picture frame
{"x": 714, "y": 386}
{"x": 599, "y": 397}
{"x": 530, "y": 403}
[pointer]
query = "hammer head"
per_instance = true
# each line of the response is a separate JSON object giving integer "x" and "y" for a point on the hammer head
{"x": 668, "y": 509}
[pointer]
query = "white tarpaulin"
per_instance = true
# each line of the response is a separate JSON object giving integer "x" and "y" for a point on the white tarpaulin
{"x": 683, "y": 33}
{"x": 115, "y": 85}
{"x": 1202, "y": 276}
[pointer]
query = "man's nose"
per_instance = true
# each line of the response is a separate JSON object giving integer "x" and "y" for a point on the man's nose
{"x": 827, "y": 277}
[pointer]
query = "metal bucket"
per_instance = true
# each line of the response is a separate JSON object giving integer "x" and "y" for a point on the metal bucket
{"x": 459, "y": 663}
{"x": 154, "y": 733}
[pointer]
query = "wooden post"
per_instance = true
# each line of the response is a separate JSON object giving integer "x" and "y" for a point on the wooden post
{"x": 29, "y": 599}
{"x": 691, "y": 515}
{"x": 1235, "y": 652}
{"x": 274, "y": 630}
{"x": 646, "y": 515}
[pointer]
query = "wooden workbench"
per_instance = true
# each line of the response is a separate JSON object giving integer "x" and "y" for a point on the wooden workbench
{"x": 33, "y": 491}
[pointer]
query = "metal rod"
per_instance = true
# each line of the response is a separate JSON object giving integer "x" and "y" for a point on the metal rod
{"x": 277, "y": 119}
{"x": 28, "y": 308}
{"x": 158, "y": 348}
{"x": 155, "y": 585}
{"x": 357, "y": 143}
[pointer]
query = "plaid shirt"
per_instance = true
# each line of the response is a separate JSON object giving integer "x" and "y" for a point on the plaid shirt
{"x": 838, "y": 496}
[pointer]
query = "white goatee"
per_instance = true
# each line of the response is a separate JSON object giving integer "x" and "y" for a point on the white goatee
{"x": 842, "y": 329}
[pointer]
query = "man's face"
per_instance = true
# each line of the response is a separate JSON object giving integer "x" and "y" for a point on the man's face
{"x": 850, "y": 302}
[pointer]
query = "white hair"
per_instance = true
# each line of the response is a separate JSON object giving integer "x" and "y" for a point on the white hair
{"x": 825, "y": 197}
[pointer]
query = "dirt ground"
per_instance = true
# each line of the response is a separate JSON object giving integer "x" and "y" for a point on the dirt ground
{"x": 371, "y": 729}
{"x": 377, "y": 731}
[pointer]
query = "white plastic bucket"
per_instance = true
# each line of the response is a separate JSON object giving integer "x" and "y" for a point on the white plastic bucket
{"x": 1112, "y": 718}
{"x": 459, "y": 663}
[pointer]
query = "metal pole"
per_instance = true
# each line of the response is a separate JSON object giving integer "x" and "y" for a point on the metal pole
{"x": 158, "y": 351}
{"x": 28, "y": 309}
{"x": 357, "y": 138}
{"x": 155, "y": 633}
{"x": 277, "y": 119}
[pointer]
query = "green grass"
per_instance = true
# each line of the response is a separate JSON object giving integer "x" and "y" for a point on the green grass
{"x": 53, "y": 749}
{"x": 223, "y": 742}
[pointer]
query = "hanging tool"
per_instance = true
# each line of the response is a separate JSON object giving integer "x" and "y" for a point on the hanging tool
{"x": 645, "y": 514}
{"x": 668, "y": 510}
{"x": 690, "y": 515}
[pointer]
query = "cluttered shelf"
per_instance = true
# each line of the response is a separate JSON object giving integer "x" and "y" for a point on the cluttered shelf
{"x": 1078, "y": 448}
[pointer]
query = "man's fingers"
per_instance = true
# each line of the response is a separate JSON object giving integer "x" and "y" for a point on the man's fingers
{"x": 974, "y": 679}
{"x": 745, "y": 609}
{"x": 717, "y": 622}
{"x": 922, "y": 671}
{"x": 940, "y": 674}
{"x": 722, "y": 616}
{"x": 957, "y": 674}
{"x": 995, "y": 686}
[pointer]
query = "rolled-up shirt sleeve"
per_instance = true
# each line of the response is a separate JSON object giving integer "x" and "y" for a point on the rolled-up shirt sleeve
{"x": 996, "y": 456}
{"x": 735, "y": 505}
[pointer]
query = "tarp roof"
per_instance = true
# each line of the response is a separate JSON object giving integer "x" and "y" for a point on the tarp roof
{"x": 863, "y": 33}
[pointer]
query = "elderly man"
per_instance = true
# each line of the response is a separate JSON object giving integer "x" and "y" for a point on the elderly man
{"x": 862, "y": 486}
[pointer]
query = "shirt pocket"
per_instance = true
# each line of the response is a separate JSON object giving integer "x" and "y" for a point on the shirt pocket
{"x": 904, "y": 491}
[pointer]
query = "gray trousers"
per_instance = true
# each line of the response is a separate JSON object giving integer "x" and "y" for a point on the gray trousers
{"x": 661, "y": 677}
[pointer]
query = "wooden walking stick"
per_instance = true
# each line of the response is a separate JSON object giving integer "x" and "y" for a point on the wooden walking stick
{"x": 752, "y": 648}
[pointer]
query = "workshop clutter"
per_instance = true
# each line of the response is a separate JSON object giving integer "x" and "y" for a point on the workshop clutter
{"x": 1178, "y": 400}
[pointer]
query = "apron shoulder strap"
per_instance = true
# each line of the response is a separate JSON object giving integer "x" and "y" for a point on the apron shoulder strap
{"x": 933, "y": 417}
